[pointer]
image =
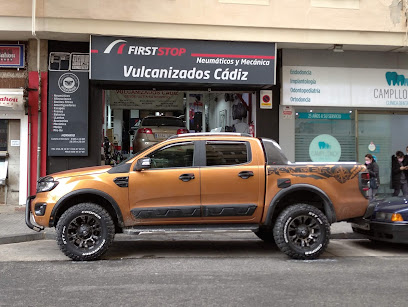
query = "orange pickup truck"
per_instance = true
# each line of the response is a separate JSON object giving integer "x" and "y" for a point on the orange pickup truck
{"x": 207, "y": 182}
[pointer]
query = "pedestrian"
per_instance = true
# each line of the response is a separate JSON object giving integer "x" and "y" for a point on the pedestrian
{"x": 374, "y": 172}
{"x": 399, "y": 173}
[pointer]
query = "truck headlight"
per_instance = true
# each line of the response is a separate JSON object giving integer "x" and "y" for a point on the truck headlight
{"x": 46, "y": 184}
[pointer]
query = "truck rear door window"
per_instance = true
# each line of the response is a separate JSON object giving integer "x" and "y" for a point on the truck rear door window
{"x": 227, "y": 153}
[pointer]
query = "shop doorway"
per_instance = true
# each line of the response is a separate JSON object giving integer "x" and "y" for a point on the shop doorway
{"x": 195, "y": 111}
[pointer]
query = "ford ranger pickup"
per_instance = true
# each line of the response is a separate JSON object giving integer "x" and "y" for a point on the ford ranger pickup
{"x": 201, "y": 182}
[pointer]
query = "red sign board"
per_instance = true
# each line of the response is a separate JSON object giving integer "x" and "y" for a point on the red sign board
{"x": 12, "y": 56}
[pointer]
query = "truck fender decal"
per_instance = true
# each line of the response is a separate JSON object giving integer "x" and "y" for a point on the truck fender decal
{"x": 66, "y": 197}
{"x": 342, "y": 173}
{"x": 328, "y": 205}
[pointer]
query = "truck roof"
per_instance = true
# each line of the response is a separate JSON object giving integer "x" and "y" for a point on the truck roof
{"x": 198, "y": 134}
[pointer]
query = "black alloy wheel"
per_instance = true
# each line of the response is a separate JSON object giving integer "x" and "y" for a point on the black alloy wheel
{"x": 302, "y": 232}
{"x": 85, "y": 232}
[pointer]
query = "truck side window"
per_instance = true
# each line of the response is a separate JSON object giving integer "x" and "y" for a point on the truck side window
{"x": 173, "y": 155}
{"x": 227, "y": 153}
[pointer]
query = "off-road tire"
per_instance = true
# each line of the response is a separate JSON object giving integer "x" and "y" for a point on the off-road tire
{"x": 302, "y": 232}
{"x": 85, "y": 232}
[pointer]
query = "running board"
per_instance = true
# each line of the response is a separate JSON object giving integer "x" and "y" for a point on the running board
{"x": 190, "y": 228}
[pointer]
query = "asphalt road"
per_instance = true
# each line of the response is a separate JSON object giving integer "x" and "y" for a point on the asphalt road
{"x": 202, "y": 270}
{"x": 351, "y": 281}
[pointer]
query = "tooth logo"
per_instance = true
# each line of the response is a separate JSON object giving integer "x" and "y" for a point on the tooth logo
{"x": 111, "y": 45}
{"x": 395, "y": 79}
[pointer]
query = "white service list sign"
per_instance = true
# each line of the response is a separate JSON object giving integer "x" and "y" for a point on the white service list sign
{"x": 345, "y": 87}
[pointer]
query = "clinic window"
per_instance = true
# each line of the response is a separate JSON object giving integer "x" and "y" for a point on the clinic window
{"x": 325, "y": 135}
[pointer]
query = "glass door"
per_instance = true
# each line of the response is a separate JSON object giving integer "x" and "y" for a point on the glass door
{"x": 382, "y": 134}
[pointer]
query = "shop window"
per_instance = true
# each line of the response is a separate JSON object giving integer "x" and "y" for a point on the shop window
{"x": 325, "y": 135}
{"x": 174, "y": 155}
{"x": 226, "y": 153}
{"x": 3, "y": 134}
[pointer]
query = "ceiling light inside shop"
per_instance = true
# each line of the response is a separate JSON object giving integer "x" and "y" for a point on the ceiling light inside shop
{"x": 350, "y": 111}
{"x": 311, "y": 111}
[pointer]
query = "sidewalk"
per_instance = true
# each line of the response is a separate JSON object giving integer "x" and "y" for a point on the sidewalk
{"x": 14, "y": 230}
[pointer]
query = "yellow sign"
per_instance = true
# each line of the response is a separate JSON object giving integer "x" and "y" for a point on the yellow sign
{"x": 266, "y": 100}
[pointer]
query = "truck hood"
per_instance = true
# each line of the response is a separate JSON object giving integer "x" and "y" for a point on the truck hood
{"x": 81, "y": 171}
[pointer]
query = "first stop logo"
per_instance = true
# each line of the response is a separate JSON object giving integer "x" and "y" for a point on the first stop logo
{"x": 142, "y": 50}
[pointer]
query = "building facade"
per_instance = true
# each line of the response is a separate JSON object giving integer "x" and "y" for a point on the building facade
{"x": 335, "y": 77}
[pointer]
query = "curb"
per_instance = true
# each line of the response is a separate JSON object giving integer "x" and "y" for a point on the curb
{"x": 21, "y": 238}
{"x": 51, "y": 236}
{"x": 346, "y": 235}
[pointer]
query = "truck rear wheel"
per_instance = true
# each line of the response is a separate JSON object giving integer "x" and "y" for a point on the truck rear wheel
{"x": 85, "y": 232}
{"x": 302, "y": 232}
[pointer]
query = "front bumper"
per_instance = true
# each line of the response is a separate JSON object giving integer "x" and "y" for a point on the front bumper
{"x": 382, "y": 231}
{"x": 28, "y": 216}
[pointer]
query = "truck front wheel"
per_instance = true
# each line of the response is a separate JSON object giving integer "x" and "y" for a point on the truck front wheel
{"x": 85, "y": 232}
{"x": 302, "y": 232}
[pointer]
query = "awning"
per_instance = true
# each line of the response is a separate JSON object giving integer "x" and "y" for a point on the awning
{"x": 12, "y": 98}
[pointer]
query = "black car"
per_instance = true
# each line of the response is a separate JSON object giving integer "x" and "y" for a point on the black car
{"x": 385, "y": 220}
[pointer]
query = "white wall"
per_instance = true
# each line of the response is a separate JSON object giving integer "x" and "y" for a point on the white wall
{"x": 287, "y": 134}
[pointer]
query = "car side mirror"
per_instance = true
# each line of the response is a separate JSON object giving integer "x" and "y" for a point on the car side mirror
{"x": 132, "y": 132}
{"x": 142, "y": 164}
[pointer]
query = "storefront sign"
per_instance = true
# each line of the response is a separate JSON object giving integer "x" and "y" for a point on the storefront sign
{"x": 12, "y": 56}
{"x": 68, "y": 114}
{"x": 146, "y": 100}
{"x": 266, "y": 100}
{"x": 345, "y": 87}
{"x": 12, "y": 98}
{"x": 325, "y": 148}
{"x": 306, "y": 115}
{"x": 182, "y": 61}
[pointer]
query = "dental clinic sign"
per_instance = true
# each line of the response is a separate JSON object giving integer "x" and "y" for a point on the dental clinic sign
{"x": 182, "y": 61}
{"x": 345, "y": 87}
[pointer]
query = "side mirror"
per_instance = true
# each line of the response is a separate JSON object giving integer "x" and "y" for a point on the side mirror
{"x": 142, "y": 164}
{"x": 132, "y": 132}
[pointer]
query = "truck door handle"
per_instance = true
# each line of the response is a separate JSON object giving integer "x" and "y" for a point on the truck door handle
{"x": 186, "y": 177}
{"x": 246, "y": 174}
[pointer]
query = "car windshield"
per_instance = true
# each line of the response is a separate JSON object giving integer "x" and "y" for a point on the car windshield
{"x": 163, "y": 121}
